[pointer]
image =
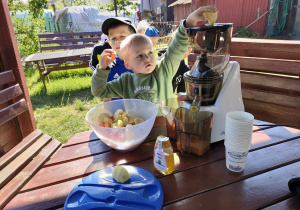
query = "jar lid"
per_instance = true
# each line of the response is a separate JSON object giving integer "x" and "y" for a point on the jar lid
{"x": 162, "y": 138}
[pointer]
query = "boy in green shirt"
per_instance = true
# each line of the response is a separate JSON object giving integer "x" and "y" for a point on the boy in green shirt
{"x": 151, "y": 81}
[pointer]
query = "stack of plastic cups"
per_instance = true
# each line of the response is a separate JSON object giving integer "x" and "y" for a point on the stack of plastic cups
{"x": 238, "y": 136}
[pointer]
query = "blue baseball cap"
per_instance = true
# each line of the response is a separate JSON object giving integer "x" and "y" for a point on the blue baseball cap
{"x": 152, "y": 32}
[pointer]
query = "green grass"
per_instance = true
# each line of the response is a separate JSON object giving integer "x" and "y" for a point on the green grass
{"x": 61, "y": 111}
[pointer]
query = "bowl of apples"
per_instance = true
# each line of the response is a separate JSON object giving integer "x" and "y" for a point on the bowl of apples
{"x": 122, "y": 124}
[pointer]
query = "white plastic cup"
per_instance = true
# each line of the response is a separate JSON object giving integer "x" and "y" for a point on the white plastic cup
{"x": 238, "y": 130}
{"x": 240, "y": 148}
{"x": 235, "y": 161}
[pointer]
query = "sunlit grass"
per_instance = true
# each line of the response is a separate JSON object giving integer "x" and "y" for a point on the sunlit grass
{"x": 61, "y": 111}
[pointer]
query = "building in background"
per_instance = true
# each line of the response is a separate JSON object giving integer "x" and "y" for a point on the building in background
{"x": 241, "y": 13}
{"x": 263, "y": 16}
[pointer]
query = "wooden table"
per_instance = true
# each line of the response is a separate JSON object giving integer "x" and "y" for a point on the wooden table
{"x": 59, "y": 59}
{"x": 197, "y": 182}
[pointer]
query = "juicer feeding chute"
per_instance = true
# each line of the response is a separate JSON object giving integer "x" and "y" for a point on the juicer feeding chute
{"x": 206, "y": 76}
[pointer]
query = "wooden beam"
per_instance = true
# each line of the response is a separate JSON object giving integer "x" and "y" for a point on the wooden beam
{"x": 12, "y": 111}
{"x": 266, "y": 48}
{"x": 10, "y": 93}
{"x": 6, "y": 77}
{"x": 279, "y": 66}
{"x": 272, "y": 112}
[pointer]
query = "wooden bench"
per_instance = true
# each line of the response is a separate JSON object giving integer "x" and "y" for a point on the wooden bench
{"x": 270, "y": 72}
{"x": 63, "y": 51}
{"x": 23, "y": 153}
{"x": 67, "y": 41}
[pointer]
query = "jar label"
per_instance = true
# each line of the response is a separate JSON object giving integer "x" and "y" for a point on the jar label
{"x": 159, "y": 160}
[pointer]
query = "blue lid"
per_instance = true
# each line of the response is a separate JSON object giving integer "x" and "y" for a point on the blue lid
{"x": 100, "y": 190}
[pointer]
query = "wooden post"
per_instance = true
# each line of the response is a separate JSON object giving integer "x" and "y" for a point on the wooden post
{"x": 11, "y": 60}
{"x": 291, "y": 18}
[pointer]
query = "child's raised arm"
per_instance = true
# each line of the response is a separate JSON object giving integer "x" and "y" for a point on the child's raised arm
{"x": 197, "y": 15}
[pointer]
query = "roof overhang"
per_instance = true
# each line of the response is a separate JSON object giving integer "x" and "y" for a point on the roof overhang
{"x": 180, "y": 2}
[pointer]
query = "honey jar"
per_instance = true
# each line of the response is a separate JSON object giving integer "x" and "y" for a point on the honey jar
{"x": 163, "y": 157}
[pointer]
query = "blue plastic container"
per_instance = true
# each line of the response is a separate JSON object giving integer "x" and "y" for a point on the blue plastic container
{"x": 100, "y": 191}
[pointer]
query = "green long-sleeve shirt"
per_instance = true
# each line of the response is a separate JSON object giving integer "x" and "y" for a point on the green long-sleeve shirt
{"x": 154, "y": 87}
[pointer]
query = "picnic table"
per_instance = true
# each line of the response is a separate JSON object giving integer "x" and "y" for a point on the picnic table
{"x": 59, "y": 59}
{"x": 196, "y": 183}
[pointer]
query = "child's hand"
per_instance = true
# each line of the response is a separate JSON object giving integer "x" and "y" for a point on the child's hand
{"x": 197, "y": 15}
{"x": 107, "y": 56}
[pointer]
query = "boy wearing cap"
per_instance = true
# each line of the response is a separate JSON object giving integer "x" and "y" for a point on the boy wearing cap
{"x": 151, "y": 81}
{"x": 116, "y": 29}
{"x": 153, "y": 34}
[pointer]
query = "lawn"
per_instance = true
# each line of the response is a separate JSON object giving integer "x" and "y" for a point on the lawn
{"x": 61, "y": 111}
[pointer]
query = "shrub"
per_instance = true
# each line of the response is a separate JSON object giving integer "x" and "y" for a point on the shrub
{"x": 28, "y": 27}
{"x": 244, "y": 32}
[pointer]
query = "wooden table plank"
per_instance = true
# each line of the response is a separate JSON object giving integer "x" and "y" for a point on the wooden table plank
{"x": 18, "y": 149}
{"x": 273, "y": 136}
{"x": 253, "y": 193}
{"x": 67, "y": 171}
{"x": 82, "y": 137}
{"x": 44, "y": 198}
{"x": 79, "y": 151}
{"x": 192, "y": 181}
{"x": 55, "y": 180}
{"x": 83, "y": 167}
{"x": 58, "y": 54}
{"x": 22, "y": 160}
{"x": 85, "y": 148}
{"x": 286, "y": 204}
{"x": 196, "y": 180}
{"x": 88, "y": 148}
{"x": 184, "y": 162}
{"x": 13, "y": 187}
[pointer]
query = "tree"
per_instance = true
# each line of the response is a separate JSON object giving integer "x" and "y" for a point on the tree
{"x": 28, "y": 27}
{"x": 37, "y": 7}
{"x": 122, "y": 6}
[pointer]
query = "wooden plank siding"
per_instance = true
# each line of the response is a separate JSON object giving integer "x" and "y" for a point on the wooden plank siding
{"x": 240, "y": 13}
